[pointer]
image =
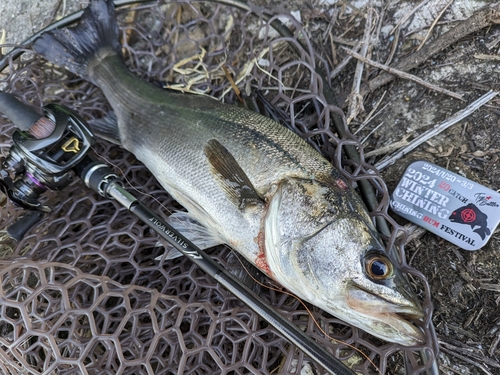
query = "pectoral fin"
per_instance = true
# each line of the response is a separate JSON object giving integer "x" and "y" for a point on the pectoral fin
{"x": 230, "y": 176}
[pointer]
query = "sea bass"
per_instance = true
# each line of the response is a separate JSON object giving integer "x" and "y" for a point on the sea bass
{"x": 248, "y": 182}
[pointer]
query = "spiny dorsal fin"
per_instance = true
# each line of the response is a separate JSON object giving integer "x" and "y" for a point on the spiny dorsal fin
{"x": 230, "y": 176}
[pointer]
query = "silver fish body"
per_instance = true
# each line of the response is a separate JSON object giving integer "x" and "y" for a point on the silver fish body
{"x": 250, "y": 183}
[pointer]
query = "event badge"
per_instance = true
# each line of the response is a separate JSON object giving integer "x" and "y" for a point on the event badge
{"x": 447, "y": 204}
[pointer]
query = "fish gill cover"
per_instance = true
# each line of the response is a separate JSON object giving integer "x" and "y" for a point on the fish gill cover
{"x": 82, "y": 292}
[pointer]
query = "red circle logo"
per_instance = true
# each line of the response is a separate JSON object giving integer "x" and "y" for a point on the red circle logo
{"x": 468, "y": 215}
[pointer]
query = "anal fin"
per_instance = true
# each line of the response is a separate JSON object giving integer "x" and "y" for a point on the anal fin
{"x": 199, "y": 235}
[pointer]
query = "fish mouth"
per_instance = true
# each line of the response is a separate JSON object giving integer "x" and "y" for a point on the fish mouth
{"x": 388, "y": 316}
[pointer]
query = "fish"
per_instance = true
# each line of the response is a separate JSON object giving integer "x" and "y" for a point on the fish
{"x": 473, "y": 216}
{"x": 248, "y": 182}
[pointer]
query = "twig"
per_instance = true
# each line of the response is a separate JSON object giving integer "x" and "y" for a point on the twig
{"x": 404, "y": 75}
{"x": 492, "y": 287}
{"x": 483, "y": 56}
{"x": 494, "y": 344}
{"x": 332, "y": 21}
{"x": 343, "y": 41}
{"x": 493, "y": 43}
{"x": 470, "y": 352}
{"x": 354, "y": 9}
{"x": 370, "y": 115}
{"x": 356, "y": 100}
{"x": 393, "y": 48}
{"x": 56, "y": 8}
{"x": 2, "y": 41}
{"x": 466, "y": 360}
{"x": 440, "y": 23}
{"x": 441, "y": 367}
{"x": 373, "y": 131}
{"x": 429, "y": 32}
{"x": 389, "y": 148}
{"x": 482, "y": 18}
{"x": 460, "y": 115}
{"x": 231, "y": 81}
{"x": 335, "y": 72}
{"x": 247, "y": 68}
{"x": 381, "y": 20}
{"x": 408, "y": 15}
{"x": 414, "y": 232}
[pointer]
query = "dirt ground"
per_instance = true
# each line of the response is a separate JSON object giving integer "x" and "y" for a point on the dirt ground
{"x": 465, "y": 285}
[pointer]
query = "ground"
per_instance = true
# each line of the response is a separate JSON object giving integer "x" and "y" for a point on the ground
{"x": 465, "y": 285}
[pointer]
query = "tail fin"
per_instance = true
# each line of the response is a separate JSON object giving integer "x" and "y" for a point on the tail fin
{"x": 74, "y": 47}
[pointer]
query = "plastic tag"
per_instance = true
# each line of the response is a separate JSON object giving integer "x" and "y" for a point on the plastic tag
{"x": 447, "y": 204}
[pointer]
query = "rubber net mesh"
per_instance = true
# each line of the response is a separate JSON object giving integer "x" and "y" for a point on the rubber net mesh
{"x": 83, "y": 293}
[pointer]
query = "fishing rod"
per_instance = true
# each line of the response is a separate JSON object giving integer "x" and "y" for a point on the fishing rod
{"x": 47, "y": 149}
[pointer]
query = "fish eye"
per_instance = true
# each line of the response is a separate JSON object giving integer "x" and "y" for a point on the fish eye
{"x": 379, "y": 267}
